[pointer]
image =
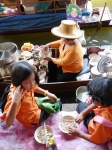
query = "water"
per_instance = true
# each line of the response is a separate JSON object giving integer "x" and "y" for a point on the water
{"x": 102, "y": 37}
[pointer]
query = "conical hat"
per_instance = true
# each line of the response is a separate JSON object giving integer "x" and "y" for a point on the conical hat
{"x": 67, "y": 29}
{"x": 10, "y": 3}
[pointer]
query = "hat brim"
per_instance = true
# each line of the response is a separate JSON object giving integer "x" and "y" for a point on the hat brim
{"x": 58, "y": 33}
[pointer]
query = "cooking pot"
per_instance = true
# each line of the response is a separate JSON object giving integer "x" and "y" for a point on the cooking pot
{"x": 6, "y": 70}
{"x": 8, "y": 53}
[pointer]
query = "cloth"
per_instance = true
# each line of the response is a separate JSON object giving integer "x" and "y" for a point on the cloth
{"x": 18, "y": 137}
{"x": 28, "y": 112}
{"x": 103, "y": 121}
{"x": 71, "y": 59}
{"x": 47, "y": 105}
{"x": 100, "y": 133}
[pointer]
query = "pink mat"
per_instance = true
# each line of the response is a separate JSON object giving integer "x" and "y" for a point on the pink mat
{"x": 17, "y": 137}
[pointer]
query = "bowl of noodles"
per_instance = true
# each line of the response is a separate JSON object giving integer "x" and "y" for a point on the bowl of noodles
{"x": 65, "y": 122}
{"x": 40, "y": 135}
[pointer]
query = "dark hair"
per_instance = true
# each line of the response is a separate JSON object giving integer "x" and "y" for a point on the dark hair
{"x": 101, "y": 90}
{"x": 21, "y": 71}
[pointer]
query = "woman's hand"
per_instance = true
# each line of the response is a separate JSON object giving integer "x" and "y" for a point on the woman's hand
{"x": 79, "y": 118}
{"x": 51, "y": 96}
{"x": 48, "y": 58}
{"x": 45, "y": 47}
{"x": 18, "y": 94}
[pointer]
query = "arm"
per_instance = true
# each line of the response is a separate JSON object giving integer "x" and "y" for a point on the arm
{"x": 46, "y": 93}
{"x": 69, "y": 58}
{"x": 52, "y": 44}
{"x": 16, "y": 98}
{"x": 81, "y": 116}
{"x": 79, "y": 133}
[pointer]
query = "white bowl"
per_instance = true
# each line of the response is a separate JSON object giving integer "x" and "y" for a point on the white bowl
{"x": 41, "y": 73}
{"x": 39, "y": 134}
{"x": 81, "y": 94}
{"x": 102, "y": 53}
{"x": 95, "y": 73}
{"x": 92, "y": 55}
{"x": 27, "y": 47}
{"x": 41, "y": 54}
{"x": 25, "y": 55}
{"x": 43, "y": 62}
{"x": 65, "y": 122}
{"x": 94, "y": 61}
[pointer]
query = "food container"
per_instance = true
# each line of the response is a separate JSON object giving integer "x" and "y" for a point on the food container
{"x": 8, "y": 53}
{"x": 94, "y": 61}
{"x": 81, "y": 94}
{"x": 95, "y": 73}
{"x": 65, "y": 122}
{"x": 92, "y": 55}
{"x": 39, "y": 134}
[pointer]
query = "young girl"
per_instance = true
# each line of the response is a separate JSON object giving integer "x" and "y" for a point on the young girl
{"x": 21, "y": 103}
{"x": 97, "y": 116}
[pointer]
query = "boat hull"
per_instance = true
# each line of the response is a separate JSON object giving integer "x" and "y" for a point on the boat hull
{"x": 31, "y": 23}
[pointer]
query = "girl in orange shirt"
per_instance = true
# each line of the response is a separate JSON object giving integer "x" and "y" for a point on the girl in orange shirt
{"x": 98, "y": 115}
{"x": 21, "y": 103}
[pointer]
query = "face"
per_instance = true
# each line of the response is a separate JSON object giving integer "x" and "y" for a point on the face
{"x": 29, "y": 83}
{"x": 68, "y": 41}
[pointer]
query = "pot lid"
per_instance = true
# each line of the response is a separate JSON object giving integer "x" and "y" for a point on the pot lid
{"x": 105, "y": 64}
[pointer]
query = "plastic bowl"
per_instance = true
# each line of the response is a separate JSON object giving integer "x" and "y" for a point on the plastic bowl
{"x": 39, "y": 132}
{"x": 65, "y": 122}
{"x": 81, "y": 94}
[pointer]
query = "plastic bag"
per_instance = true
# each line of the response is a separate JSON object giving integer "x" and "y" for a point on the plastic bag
{"x": 47, "y": 105}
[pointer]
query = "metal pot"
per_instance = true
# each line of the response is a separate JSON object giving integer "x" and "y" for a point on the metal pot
{"x": 8, "y": 53}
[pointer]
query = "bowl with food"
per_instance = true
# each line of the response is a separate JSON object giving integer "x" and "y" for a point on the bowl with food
{"x": 27, "y": 46}
{"x": 43, "y": 62}
{"x": 65, "y": 122}
{"x": 25, "y": 55}
{"x": 41, "y": 73}
{"x": 43, "y": 134}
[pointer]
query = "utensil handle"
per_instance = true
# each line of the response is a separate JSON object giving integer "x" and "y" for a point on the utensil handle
{"x": 45, "y": 134}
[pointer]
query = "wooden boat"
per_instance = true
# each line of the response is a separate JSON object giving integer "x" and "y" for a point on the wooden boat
{"x": 38, "y": 16}
{"x": 63, "y": 86}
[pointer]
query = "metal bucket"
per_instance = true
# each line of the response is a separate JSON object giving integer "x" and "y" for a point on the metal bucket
{"x": 8, "y": 53}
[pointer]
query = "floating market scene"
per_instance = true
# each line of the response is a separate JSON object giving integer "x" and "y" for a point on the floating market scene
{"x": 55, "y": 75}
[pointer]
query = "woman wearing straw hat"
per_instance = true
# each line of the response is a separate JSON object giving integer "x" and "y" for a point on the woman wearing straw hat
{"x": 70, "y": 61}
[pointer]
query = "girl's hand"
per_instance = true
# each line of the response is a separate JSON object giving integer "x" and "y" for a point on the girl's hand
{"x": 51, "y": 96}
{"x": 73, "y": 131}
{"x": 48, "y": 58}
{"x": 79, "y": 118}
{"x": 18, "y": 94}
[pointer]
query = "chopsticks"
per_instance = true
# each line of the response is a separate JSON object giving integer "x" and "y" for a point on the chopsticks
{"x": 66, "y": 120}
{"x": 45, "y": 130}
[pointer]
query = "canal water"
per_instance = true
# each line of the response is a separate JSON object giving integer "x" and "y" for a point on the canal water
{"x": 102, "y": 37}
{"x": 93, "y": 38}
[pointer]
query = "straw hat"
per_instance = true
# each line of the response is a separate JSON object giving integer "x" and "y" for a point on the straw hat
{"x": 10, "y": 3}
{"x": 67, "y": 29}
